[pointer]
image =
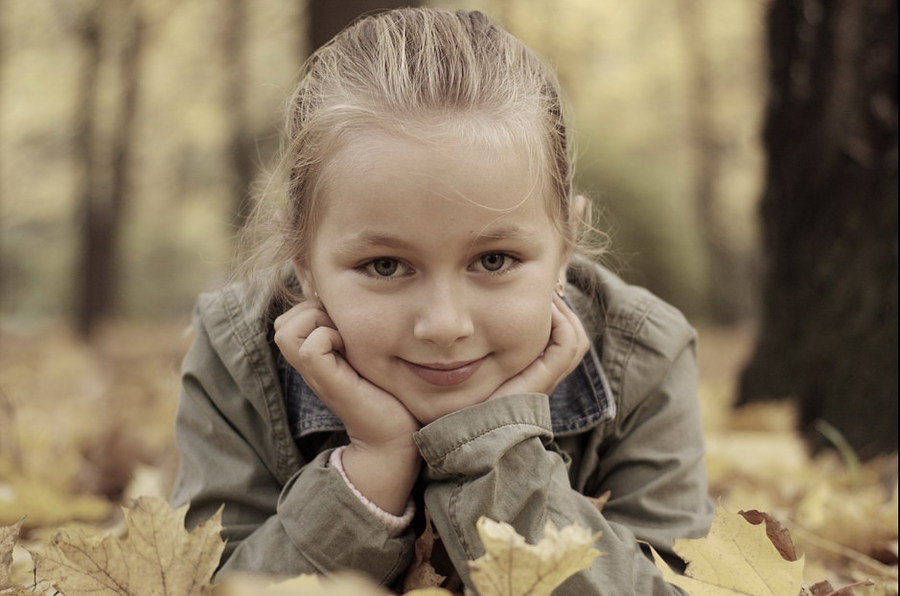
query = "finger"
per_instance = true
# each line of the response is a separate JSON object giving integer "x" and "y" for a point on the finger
{"x": 568, "y": 343}
{"x": 579, "y": 334}
{"x": 303, "y": 309}
{"x": 293, "y": 327}
{"x": 322, "y": 341}
{"x": 319, "y": 363}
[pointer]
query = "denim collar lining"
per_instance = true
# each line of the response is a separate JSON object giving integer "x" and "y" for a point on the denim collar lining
{"x": 581, "y": 401}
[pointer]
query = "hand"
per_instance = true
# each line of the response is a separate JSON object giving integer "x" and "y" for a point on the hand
{"x": 309, "y": 341}
{"x": 566, "y": 347}
{"x": 382, "y": 460}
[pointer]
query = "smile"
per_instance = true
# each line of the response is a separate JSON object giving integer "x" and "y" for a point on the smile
{"x": 445, "y": 374}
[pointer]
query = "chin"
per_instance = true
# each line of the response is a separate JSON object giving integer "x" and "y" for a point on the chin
{"x": 451, "y": 405}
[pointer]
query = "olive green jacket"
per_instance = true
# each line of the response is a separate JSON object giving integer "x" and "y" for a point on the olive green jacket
{"x": 289, "y": 514}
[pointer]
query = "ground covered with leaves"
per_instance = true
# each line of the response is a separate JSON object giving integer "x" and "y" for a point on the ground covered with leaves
{"x": 86, "y": 430}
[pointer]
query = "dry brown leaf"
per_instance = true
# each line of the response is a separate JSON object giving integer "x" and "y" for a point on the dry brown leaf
{"x": 421, "y": 573}
{"x": 736, "y": 557}
{"x": 777, "y": 533}
{"x": 43, "y": 504}
{"x": 512, "y": 567}
{"x": 340, "y": 584}
{"x": 8, "y": 537}
{"x": 600, "y": 501}
{"x": 156, "y": 556}
{"x": 824, "y": 588}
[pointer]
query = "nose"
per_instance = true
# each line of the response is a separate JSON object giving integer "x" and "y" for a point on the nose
{"x": 444, "y": 316}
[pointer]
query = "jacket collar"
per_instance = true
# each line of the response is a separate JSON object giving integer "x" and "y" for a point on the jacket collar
{"x": 582, "y": 400}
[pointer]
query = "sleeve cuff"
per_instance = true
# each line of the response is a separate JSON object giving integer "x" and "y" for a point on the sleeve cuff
{"x": 394, "y": 524}
{"x": 470, "y": 441}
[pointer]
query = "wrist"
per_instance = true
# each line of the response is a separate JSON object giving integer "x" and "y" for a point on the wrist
{"x": 383, "y": 476}
{"x": 394, "y": 524}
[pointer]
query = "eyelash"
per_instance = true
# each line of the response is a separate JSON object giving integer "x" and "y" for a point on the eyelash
{"x": 509, "y": 264}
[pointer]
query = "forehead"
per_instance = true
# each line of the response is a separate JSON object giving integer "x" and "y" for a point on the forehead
{"x": 499, "y": 172}
{"x": 447, "y": 191}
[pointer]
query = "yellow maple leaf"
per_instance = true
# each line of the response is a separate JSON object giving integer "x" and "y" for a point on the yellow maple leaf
{"x": 43, "y": 504}
{"x": 155, "y": 557}
{"x": 736, "y": 557}
{"x": 344, "y": 583}
{"x": 8, "y": 537}
{"x": 512, "y": 567}
{"x": 249, "y": 584}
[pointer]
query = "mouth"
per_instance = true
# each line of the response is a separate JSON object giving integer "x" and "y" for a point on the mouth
{"x": 445, "y": 374}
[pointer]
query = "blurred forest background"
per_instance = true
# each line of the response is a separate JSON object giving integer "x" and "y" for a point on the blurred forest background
{"x": 157, "y": 117}
{"x": 134, "y": 132}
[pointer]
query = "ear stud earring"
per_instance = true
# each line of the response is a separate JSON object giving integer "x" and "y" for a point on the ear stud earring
{"x": 560, "y": 289}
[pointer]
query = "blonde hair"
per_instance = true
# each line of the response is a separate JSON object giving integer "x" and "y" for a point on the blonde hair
{"x": 396, "y": 71}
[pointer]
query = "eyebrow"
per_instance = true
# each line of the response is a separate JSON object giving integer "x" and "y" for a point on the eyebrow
{"x": 367, "y": 239}
{"x": 504, "y": 232}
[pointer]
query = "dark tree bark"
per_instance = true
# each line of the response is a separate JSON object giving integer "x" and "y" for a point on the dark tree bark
{"x": 106, "y": 181}
{"x": 327, "y": 17}
{"x": 85, "y": 132}
{"x": 240, "y": 139}
{"x": 2, "y": 64}
{"x": 828, "y": 335}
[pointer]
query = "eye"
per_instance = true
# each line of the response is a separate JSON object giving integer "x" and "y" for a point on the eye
{"x": 495, "y": 262}
{"x": 383, "y": 267}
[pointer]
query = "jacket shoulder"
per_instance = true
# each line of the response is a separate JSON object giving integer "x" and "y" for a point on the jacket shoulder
{"x": 236, "y": 308}
{"x": 622, "y": 312}
{"x": 639, "y": 336}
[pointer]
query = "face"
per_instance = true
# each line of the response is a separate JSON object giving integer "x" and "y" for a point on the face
{"x": 437, "y": 264}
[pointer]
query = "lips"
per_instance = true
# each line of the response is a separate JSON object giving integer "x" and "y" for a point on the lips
{"x": 445, "y": 374}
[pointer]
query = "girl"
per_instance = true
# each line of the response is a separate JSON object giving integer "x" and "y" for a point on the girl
{"x": 432, "y": 336}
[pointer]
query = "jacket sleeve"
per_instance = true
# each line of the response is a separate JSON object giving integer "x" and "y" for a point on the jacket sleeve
{"x": 312, "y": 523}
{"x": 499, "y": 459}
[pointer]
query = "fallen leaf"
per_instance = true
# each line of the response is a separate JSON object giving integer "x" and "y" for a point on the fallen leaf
{"x": 736, "y": 557}
{"x": 512, "y": 567}
{"x": 600, "y": 501}
{"x": 44, "y": 504}
{"x": 824, "y": 588}
{"x": 8, "y": 537}
{"x": 777, "y": 533}
{"x": 340, "y": 584}
{"x": 421, "y": 573}
{"x": 155, "y": 557}
{"x": 250, "y": 584}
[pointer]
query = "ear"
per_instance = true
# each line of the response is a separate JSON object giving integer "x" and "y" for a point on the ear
{"x": 576, "y": 220}
{"x": 304, "y": 277}
{"x": 563, "y": 267}
{"x": 576, "y": 214}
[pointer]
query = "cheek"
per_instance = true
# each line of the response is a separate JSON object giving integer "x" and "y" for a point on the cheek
{"x": 364, "y": 325}
{"x": 522, "y": 325}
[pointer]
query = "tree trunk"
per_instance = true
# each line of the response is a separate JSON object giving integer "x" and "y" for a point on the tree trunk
{"x": 2, "y": 64}
{"x": 828, "y": 335}
{"x": 240, "y": 139}
{"x": 83, "y": 138}
{"x": 104, "y": 197}
{"x": 328, "y": 17}
{"x": 728, "y": 276}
